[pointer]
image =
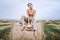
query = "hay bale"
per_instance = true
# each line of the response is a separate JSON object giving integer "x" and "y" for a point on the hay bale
{"x": 17, "y": 34}
{"x": 5, "y": 21}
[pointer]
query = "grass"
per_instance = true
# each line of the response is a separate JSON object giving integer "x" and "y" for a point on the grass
{"x": 5, "y": 30}
{"x": 4, "y": 25}
{"x": 4, "y": 34}
{"x": 51, "y": 32}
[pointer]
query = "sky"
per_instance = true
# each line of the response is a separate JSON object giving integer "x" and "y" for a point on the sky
{"x": 15, "y": 9}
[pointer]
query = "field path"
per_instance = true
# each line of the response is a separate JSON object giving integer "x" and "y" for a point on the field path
{"x": 17, "y": 34}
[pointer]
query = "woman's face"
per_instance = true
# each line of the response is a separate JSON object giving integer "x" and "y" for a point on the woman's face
{"x": 30, "y": 6}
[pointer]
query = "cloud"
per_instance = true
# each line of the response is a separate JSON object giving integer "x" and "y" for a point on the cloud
{"x": 45, "y": 9}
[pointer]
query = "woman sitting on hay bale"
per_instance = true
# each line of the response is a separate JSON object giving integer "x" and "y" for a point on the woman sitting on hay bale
{"x": 30, "y": 15}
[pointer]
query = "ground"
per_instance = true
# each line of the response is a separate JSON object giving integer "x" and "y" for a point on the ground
{"x": 51, "y": 31}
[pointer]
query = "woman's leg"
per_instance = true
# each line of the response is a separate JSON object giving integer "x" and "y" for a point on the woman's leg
{"x": 32, "y": 20}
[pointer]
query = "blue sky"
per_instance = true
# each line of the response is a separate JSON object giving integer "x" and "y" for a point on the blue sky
{"x": 45, "y": 9}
